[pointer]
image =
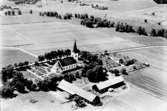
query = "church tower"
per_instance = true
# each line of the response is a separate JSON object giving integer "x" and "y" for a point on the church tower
{"x": 75, "y": 51}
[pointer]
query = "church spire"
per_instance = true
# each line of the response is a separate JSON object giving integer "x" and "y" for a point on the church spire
{"x": 75, "y": 49}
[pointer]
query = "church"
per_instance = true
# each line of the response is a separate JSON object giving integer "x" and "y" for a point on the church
{"x": 67, "y": 63}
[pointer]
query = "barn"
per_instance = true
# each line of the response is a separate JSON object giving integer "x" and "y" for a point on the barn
{"x": 114, "y": 83}
{"x": 74, "y": 90}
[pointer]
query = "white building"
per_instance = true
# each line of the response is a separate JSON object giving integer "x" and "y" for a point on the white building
{"x": 74, "y": 90}
{"x": 66, "y": 64}
{"x": 113, "y": 83}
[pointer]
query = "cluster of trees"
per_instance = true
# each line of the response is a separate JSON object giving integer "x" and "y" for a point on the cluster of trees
{"x": 57, "y": 15}
{"x": 161, "y": 1}
{"x": 99, "y": 7}
{"x": 141, "y": 31}
{"x": 49, "y": 84}
{"x": 22, "y": 66}
{"x": 70, "y": 77}
{"x": 14, "y": 80}
{"x": 94, "y": 22}
{"x": 119, "y": 72}
{"x": 81, "y": 16}
{"x": 90, "y": 59}
{"x": 54, "y": 54}
{"x": 127, "y": 62}
{"x": 158, "y": 32}
{"x": 13, "y": 13}
{"x": 120, "y": 27}
{"x": 97, "y": 74}
{"x": 25, "y": 1}
{"x": 51, "y": 14}
{"x": 93, "y": 69}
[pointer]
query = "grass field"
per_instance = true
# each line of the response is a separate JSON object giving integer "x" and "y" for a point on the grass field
{"x": 11, "y": 56}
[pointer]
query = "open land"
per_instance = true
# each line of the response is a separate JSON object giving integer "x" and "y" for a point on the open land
{"x": 38, "y": 35}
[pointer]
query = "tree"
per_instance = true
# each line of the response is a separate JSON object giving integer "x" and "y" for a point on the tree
{"x": 41, "y": 58}
{"x": 116, "y": 72}
{"x": 78, "y": 75}
{"x": 18, "y": 82}
{"x": 36, "y": 63}
{"x": 153, "y": 33}
{"x": 68, "y": 52}
{"x": 19, "y": 12}
{"x": 117, "y": 27}
{"x": 7, "y": 92}
{"x": 121, "y": 61}
{"x": 142, "y": 31}
{"x": 20, "y": 87}
{"x": 7, "y": 73}
{"x": 30, "y": 11}
{"x": 96, "y": 74}
{"x": 123, "y": 71}
{"x": 13, "y": 12}
{"x": 145, "y": 20}
{"x": 161, "y": 32}
{"x": 43, "y": 85}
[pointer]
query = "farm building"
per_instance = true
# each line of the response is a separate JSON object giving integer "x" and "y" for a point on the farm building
{"x": 114, "y": 83}
{"x": 74, "y": 90}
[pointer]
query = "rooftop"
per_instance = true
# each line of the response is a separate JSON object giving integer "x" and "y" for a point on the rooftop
{"x": 67, "y": 61}
{"x": 72, "y": 89}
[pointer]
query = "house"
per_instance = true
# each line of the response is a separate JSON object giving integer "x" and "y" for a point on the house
{"x": 113, "y": 83}
{"x": 67, "y": 63}
{"x": 74, "y": 90}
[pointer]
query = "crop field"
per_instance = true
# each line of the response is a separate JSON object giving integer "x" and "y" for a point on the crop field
{"x": 43, "y": 37}
{"x": 146, "y": 40}
{"x": 153, "y": 78}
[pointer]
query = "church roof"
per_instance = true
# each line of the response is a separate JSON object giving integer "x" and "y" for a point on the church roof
{"x": 67, "y": 61}
{"x": 75, "y": 49}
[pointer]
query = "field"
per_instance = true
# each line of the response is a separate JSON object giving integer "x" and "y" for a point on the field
{"x": 152, "y": 78}
{"x": 11, "y": 56}
{"x": 42, "y": 37}
{"x": 36, "y": 35}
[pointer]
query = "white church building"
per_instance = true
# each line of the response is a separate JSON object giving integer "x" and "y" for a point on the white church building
{"x": 67, "y": 63}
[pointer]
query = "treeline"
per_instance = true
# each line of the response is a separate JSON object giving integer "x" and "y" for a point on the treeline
{"x": 93, "y": 22}
{"x": 124, "y": 27}
{"x": 161, "y": 1}
{"x": 13, "y": 12}
{"x": 54, "y": 54}
{"x": 158, "y": 32}
{"x": 67, "y": 16}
